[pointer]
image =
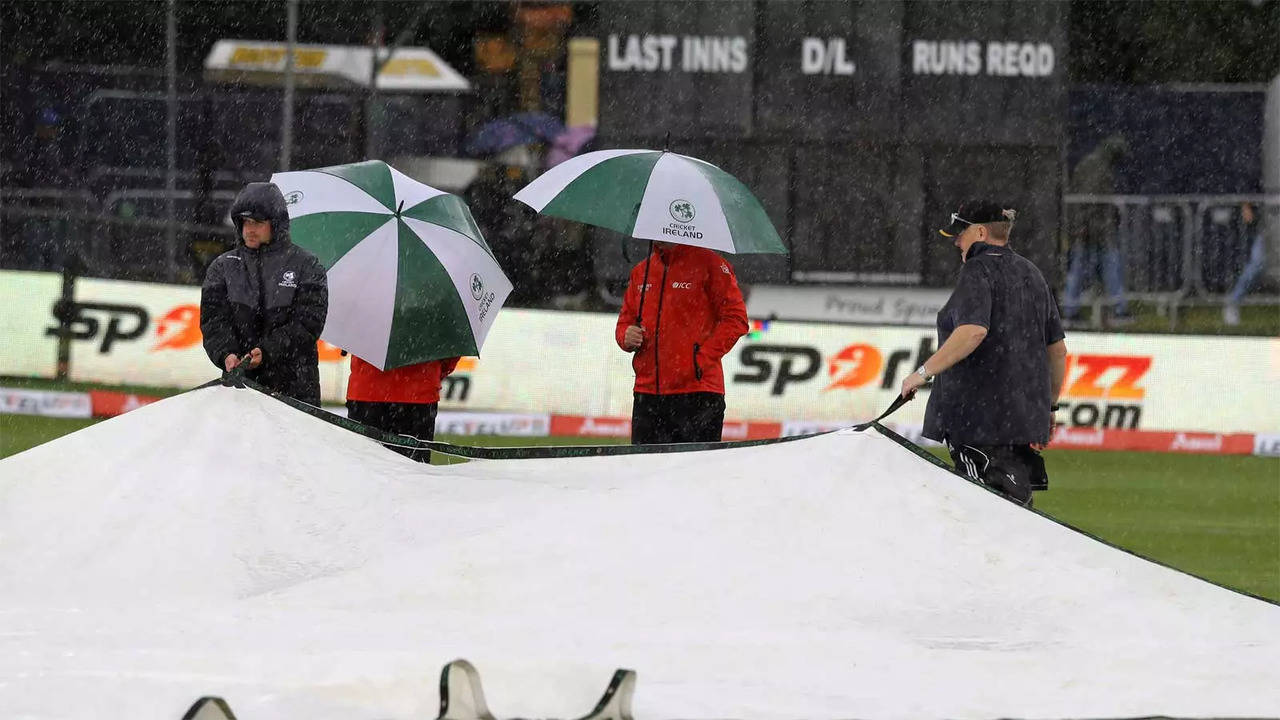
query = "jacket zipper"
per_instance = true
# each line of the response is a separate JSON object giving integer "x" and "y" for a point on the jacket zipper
{"x": 262, "y": 303}
{"x": 657, "y": 323}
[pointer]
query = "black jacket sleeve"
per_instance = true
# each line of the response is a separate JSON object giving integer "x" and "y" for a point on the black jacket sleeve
{"x": 306, "y": 315}
{"x": 215, "y": 315}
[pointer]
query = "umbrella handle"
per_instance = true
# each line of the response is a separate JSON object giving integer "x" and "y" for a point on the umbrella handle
{"x": 644, "y": 284}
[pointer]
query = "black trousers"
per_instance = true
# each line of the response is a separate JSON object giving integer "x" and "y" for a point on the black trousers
{"x": 686, "y": 417}
{"x": 416, "y": 419}
{"x": 1011, "y": 470}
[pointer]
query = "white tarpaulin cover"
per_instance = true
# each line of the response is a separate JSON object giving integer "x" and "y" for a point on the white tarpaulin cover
{"x": 222, "y": 543}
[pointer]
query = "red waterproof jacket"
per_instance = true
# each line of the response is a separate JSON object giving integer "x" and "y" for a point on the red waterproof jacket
{"x": 410, "y": 384}
{"x": 693, "y": 315}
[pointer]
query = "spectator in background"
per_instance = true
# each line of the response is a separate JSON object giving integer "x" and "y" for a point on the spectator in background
{"x": 133, "y": 260}
{"x": 265, "y": 301}
{"x": 1093, "y": 233}
{"x": 206, "y": 244}
{"x": 403, "y": 400}
{"x": 512, "y": 229}
{"x": 573, "y": 249}
{"x": 45, "y": 165}
{"x": 1251, "y": 229}
{"x": 693, "y": 314}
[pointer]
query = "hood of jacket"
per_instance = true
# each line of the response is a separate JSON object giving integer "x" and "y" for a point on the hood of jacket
{"x": 266, "y": 200}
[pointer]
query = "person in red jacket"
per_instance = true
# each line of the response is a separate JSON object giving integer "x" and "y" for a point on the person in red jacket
{"x": 402, "y": 400}
{"x": 692, "y": 315}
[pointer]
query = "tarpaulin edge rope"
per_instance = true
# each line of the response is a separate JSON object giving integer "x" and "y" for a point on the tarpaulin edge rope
{"x": 935, "y": 460}
{"x": 235, "y": 378}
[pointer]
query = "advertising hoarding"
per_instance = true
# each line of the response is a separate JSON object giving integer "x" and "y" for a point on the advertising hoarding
{"x": 1122, "y": 381}
{"x": 130, "y": 333}
{"x": 563, "y": 363}
{"x": 26, "y": 303}
{"x": 45, "y": 403}
{"x": 854, "y": 305}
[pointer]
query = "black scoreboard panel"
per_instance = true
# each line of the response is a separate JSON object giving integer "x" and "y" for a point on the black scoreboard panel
{"x": 858, "y": 124}
{"x": 850, "y": 215}
{"x": 828, "y": 70}
{"x": 985, "y": 73}
{"x": 678, "y": 67}
{"x": 953, "y": 72}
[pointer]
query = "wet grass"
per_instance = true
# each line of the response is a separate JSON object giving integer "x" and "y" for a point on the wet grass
{"x": 22, "y": 432}
{"x": 1255, "y": 320}
{"x": 23, "y": 383}
{"x": 1217, "y": 517}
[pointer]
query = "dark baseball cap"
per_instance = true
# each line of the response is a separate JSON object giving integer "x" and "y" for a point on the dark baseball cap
{"x": 258, "y": 215}
{"x": 976, "y": 212}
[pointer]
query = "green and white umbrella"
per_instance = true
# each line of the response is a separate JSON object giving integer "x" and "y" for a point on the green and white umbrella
{"x": 655, "y": 195}
{"x": 410, "y": 276}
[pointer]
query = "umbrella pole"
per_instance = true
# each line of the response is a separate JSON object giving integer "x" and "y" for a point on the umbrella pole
{"x": 644, "y": 284}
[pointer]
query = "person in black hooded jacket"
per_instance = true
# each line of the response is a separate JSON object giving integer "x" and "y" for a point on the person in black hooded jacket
{"x": 264, "y": 302}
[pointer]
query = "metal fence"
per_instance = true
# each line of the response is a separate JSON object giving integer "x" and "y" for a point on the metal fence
{"x": 123, "y": 236}
{"x": 1171, "y": 251}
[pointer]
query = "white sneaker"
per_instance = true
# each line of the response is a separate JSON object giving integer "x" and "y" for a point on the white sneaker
{"x": 1231, "y": 315}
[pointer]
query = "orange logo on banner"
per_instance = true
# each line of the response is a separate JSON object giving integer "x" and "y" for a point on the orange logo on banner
{"x": 1088, "y": 384}
{"x": 854, "y": 366}
{"x": 179, "y": 329}
{"x": 329, "y": 353}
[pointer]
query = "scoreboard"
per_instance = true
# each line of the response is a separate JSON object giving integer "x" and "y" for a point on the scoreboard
{"x": 858, "y": 124}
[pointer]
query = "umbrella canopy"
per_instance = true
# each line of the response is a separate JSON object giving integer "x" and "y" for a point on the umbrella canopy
{"x": 411, "y": 278}
{"x": 656, "y": 195}
{"x": 519, "y": 129}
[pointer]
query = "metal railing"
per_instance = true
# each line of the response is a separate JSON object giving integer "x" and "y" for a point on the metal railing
{"x": 217, "y": 119}
{"x": 1171, "y": 251}
{"x": 146, "y": 250}
{"x": 39, "y": 226}
{"x": 56, "y": 230}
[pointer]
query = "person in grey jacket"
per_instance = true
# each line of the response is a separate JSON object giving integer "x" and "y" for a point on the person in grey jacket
{"x": 264, "y": 302}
